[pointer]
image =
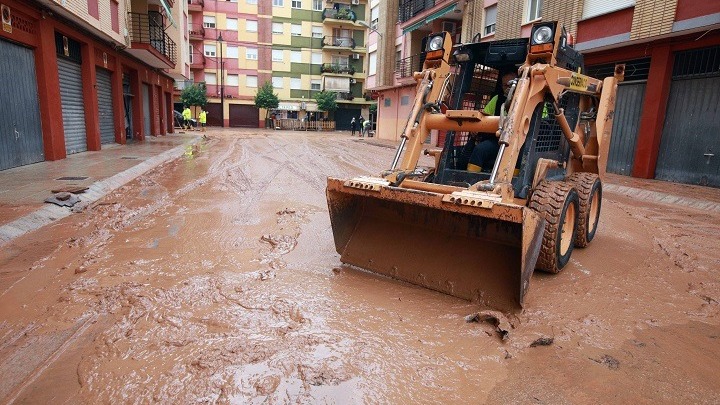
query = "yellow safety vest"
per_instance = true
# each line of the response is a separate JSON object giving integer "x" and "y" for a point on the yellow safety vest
{"x": 187, "y": 114}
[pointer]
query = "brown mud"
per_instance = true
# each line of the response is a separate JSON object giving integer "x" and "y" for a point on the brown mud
{"x": 214, "y": 279}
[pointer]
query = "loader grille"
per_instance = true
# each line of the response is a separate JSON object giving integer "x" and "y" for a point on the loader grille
{"x": 478, "y": 94}
{"x": 549, "y": 133}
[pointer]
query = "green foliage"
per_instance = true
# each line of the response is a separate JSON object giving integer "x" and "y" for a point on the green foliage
{"x": 265, "y": 98}
{"x": 373, "y": 108}
{"x": 194, "y": 95}
{"x": 326, "y": 100}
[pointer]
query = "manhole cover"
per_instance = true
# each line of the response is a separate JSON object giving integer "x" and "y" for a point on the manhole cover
{"x": 71, "y": 178}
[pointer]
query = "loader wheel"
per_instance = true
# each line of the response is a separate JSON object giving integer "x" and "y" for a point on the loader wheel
{"x": 589, "y": 188}
{"x": 557, "y": 202}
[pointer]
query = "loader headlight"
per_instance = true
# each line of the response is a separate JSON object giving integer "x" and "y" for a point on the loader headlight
{"x": 435, "y": 43}
{"x": 542, "y": 35}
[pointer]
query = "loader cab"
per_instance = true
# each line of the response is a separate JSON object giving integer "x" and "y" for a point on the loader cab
{"x": 478, "y": 67}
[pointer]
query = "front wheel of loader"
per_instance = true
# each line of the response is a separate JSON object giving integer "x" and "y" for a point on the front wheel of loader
{"x": 589, "y": 190}
{"x": 557, "y": 202}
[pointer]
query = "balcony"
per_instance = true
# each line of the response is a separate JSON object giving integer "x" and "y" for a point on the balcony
{"x": 343, "y": 96}
{"x": 196, "y": 32}
{"x": 337, "y": 68}
{"x": 342, "y": 14}
{"x": 339, "y": 42}
{"x": 149, "y": 42}
{"x": 196, "y": 5}
{"x": 406, "y": 67}
{"x": 197, "y": 61}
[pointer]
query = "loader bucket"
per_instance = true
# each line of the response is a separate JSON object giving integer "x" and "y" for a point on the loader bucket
{"x": 485, "y": 255}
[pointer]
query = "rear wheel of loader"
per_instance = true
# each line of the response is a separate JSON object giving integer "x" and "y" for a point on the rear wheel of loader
{"x": 589, "y": 190}
{"x": 557, "y": 202}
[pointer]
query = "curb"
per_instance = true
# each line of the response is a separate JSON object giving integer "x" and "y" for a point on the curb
{"x": 662, "y": 198}
{"x": 51, "y": 213}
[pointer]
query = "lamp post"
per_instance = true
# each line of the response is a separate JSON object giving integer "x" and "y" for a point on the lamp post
{"x": 222, "y": 83}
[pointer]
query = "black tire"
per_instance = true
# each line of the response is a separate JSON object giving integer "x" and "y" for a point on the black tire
{"x": 589, "y": 188}
{"x": 557, "y": 202}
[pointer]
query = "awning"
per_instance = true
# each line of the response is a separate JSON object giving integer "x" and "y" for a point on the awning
{"x": 168, "y": 13}
{"x": 430, "y": 18}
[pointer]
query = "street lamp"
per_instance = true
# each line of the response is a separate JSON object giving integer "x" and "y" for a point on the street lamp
{"x": 222, "y": 84}
{"x": 364, "y": 24}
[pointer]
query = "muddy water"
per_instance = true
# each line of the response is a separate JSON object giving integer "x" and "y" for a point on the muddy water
{"x": 214, "y": 279}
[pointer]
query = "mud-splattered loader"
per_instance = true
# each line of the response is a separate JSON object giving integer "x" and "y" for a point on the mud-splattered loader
{"x": 480, "y": 235}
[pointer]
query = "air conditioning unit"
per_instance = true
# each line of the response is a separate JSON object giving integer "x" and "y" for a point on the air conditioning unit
{"x": 356, "y": 56}
{"x": 355, "y": 2}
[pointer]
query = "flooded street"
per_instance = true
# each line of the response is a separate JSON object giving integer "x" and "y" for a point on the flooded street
{"x": 214, "y": 279}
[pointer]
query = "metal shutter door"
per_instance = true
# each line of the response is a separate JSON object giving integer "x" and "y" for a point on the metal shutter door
{"x": 244, "y": 116}
{"x": 21, "y": 141}
{"x": 628, "y": 110}
{"x": 105, "y": 106}
{"x": 146, "y": 108}
{"x": 73, "y": 107}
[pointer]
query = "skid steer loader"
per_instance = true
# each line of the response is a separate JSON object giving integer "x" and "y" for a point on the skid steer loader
{"x": 480, "y": 235}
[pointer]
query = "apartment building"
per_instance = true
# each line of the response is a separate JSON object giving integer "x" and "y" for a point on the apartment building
{"x": 300, "y": 46}
{"x": 81, "y": 74}
{"x": 666, "y": 121}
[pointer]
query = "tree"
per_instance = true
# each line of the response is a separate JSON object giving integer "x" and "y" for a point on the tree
{"x": 373, "y": 108}
{"x": 265, "y": 98}
{"x": 194, "y": 95}
{"x": 326, "y": 100}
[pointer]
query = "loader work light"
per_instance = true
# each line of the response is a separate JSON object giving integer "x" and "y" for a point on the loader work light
{"x": 542, "y": 38}
{"x": 436, "y": 43}
{"x": 542, "y": 35}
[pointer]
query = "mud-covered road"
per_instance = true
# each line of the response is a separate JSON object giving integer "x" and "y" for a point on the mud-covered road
{"x": 214, "y": 279}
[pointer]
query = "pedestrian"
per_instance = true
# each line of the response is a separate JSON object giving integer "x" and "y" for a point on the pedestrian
{"x": 203, "y": 119}
{"x": 353, "y": 125}
{"x": 366, "y": 127}
{"x": 187, "y": 115}
{"x": 360, "y": 122}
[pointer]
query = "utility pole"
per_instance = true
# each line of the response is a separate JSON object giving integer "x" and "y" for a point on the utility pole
{"x": 222, "y": 83}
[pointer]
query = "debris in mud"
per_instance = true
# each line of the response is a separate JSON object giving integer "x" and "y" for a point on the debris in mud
{"x": 497, "y": 319}
{"x": 336, "y": 270}
{"x": 606, "y": 360}
{"x": 286, "y": 211}
{"x": 81, "y": 269}
{"x": 266, "y": 275}
{"x": 63, "y": 199}
{"x": 281, "y": 244}
{"x": 542, "y": 341}
{"x": 69, "y": 189}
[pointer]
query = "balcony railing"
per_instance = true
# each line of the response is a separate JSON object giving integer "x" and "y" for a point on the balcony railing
{"x": 341, "y": 14}
{"x": 345, "y": 96}
{"x": 147, "y": 29}
{"x": 196, "y": 31}
{"x": 197, "y": 3}
{"x": 407, "y": 66}
{"x": 345, "y": 42}
{"x": 337, "y": 68}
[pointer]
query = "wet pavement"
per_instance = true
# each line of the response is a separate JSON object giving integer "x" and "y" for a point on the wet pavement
{"x": 213, "y": 278}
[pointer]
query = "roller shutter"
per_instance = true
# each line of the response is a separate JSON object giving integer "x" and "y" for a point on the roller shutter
{"x": 73, "y": 106}
{"x": 244, "y": 116}
{"x": 105, "y": 106}
{"x": 21, "y": 141}
{"x": 146, "y": 108}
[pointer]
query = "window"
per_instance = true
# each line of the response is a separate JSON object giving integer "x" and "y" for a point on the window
{"x": 404, "y": 100}
{"x": 189, "y": 21}
{"x": 250, "y": 81}
{"x": 374, "y": 17}
{"x": 295, "y": 84}
{"x": 251, "y": 54}
{"x": 490, "y": 19}
{"x": 534, "y": 9}
{"x": 277, "y": 28}
{"x": 387, "y": 101}
{"x": 296, "y": 4}
{"x": 594, "y": 8}
{"x": 277, "y": 82}
{"x": 251, "y": 26}
{"x": 114, "y": 19}
{"x": 231, "y": 24}
{"x": 277, "y": 55}
{"x": 317, "y": 5}
{"x": 316, "y": 58}
{"x": 232, "y": 80}
{"x": 296, "y": 29}
{"x": 315, "y": 84}
{"x": 278, "y": 3}
{"x": 317, "y": 32}
{"x": 251, "y": 2}
{"x": 295, "y": 56}
{"x": 341, "y": 84}
{"x": 372, "y": 64}
{"x": 191, "y": 50}
{"x": 209, "y": 21}
{"x": 340, "y": 60}
{"x": 210, "y": 78}
{"x": 210, "y": 50}
{"x": 232, "y": 51}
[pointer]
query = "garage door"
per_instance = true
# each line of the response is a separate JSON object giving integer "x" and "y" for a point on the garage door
{"x": 21, "y": 140}
{"x": 244, "y": 116}
{"x": 71, "y": 95}
{"x": 214, "y": 117}
{"x": 146, "y": 108}
{"x": 690, "y": 145}
{"x": 105, "y": 106}
{"x": 343, "y": 116}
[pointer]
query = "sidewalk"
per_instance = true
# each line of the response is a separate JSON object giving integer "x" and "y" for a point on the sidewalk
{"x": 24, "y": 189}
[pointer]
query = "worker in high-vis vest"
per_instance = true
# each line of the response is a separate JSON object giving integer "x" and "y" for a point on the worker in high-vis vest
{"x": 203, "y": 118}
{"x": 187, "y": 115}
